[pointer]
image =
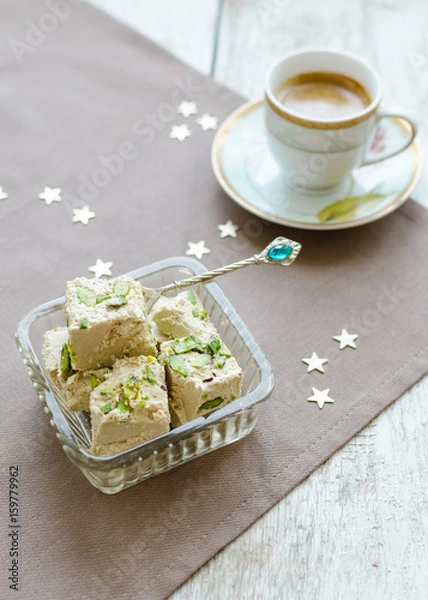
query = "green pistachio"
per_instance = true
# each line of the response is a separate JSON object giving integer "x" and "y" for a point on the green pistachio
{"x": 87, "y": 296}
{"x": 142, "y": 400}
{"x": 95, "y": 382}
{"x": 121, "y": 287}
{"x": 107, "y": 408}
{"x": 150, "y": 376}
{"x": 201, "y": 361}
{"x": 219, "y": 362}
{"x": 224, "y": 351}
{"x": 123, "y": 406}
{"x": 192, "y": 297}
{"x": 195, "y": 312}
{"x": 128, "y": 394}
{"x": 178, "y": 365}
{"x": 106, "y": 391}
{"x": 84, "y": 324}
{"x": 188, "y": 344}
{"x": 65, "y": 362}
{"x": 102, "y": 298}
{"x": 211, "y": 403}
{"x": 72, "y": 353}
{"x": 214, "y": 345}
{"x": 117, "y": 300}
{"x": 133, "y": 382}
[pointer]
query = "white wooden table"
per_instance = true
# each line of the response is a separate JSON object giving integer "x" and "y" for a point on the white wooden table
{"x": 358, "y": 527}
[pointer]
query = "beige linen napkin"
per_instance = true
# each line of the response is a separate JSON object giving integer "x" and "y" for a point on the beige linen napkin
{"x": 92, "y": 93}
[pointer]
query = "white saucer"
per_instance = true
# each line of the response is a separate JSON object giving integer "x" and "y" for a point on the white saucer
{"x": 248, "y": 173}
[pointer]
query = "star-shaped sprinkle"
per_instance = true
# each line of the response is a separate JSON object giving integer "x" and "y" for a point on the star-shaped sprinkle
{"x": 50, "y": 195}
{"x": 321, "y": 397}
{"x": 3, "y": 194}
{"x": 82, "y": 215}
{"x": 180, "y": 132}
{"x": 101, "y": 268}
{"x": 315, "y": 363}
{"x": 207, "y": 122}
{"x": 346, "y": 339}
{"x": 197, "y": 250}
{"x": 228, "y": 229}
{"x": 187, "y": 108}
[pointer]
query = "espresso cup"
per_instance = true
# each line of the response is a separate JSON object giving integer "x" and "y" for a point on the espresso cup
{"x": 321, "y": 110}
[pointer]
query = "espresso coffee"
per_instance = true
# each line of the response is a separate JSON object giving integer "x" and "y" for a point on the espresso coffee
{"x": 324, "y": 96}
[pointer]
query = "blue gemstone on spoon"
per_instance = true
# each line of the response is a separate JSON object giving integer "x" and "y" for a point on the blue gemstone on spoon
{"x": 280, "y": 253}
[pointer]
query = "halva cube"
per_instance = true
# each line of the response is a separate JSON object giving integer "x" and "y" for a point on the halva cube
{"x": 201, "y": 376}
{"x": 106, "y": 319}
{"x": 182, "y": 315}
{"x": 77, "y": 388}
{"x": 130, "y": 407}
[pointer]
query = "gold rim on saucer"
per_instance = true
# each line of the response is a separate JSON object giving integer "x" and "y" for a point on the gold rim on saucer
{"x": 216, "y": 154}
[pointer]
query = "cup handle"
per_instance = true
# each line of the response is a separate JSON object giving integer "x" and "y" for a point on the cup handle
{"x": 394, "y": 113}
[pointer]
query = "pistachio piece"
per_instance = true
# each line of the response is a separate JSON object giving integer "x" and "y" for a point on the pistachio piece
{"x": 102, "y": 298}
{"x": 150, "y": 376}
{"x": 188, "y": 344}
{"x": 192, "y": 297}
{"x": 224, "y": 351}
{"x": 219, "y": 362}
{"x": 211, "y": 403}
{"x": 121, "y": 287}
{"x": 178, "y": 365}
{"x": 95, "y": 382}
{"x": 65, "y": 361}
{"x": 214, "y": 345}
{"x": 201, "y": 361}
{"x": 84, "y": 324}
{"x": 107, "y": 407}
{"x": 123, "y": 406}
{"x": 87, "y": 296}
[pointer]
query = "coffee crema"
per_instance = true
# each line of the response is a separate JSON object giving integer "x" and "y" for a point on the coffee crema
{"x": 323, "y": 95}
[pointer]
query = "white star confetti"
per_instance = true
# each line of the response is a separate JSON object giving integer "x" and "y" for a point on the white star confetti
{"x": 180, "y": 132}
{"x": 346, "y": 339}
{"x": 321, "y": 397}
{"x": 3, "y": 194}
{"x": 50, "y": 195}
{"x": 82, "y": 215}
{"x": 187, "y": 108}
{"x": 228, "y": 229}
{"x": 101, "y": 268}
{"x": 207, "y": 122}
{"x": 315, "y": 363}
{"x": 197, "y": 250}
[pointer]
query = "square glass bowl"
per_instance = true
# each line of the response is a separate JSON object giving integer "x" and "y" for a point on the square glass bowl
{"x": 198, "y": 437}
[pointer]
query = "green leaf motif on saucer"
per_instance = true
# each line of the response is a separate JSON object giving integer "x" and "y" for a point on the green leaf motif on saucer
{"x": 346, "y": 208}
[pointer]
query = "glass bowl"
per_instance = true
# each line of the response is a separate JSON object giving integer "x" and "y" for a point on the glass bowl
{"x": 198, "y": 437}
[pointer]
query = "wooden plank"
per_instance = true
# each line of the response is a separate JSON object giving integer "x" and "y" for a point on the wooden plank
{"x": 355, "y": 529}
{"x": 185, "y": 28}
{"x": 400, "y": 44}
{"x": 254, "y": 34}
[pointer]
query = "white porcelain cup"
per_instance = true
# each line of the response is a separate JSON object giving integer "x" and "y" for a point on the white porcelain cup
{"x": 318, "y": 154}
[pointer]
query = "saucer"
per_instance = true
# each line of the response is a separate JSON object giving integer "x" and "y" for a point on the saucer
{"x": 248, "y": 173}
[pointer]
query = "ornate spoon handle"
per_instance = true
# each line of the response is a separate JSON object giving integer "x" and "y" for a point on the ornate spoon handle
{"x": 281, "y": 251}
